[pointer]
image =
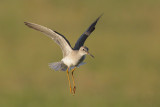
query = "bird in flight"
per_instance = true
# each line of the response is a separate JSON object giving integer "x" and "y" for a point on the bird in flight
{"x": 72, "y": 57}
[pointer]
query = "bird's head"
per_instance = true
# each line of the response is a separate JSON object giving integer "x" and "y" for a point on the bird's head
{"x": 85, "y": 51}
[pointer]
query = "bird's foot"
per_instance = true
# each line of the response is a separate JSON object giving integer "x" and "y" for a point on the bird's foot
{"x": 74, "y": 90}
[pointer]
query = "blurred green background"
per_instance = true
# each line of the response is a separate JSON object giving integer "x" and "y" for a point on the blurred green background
{"x": 126, "y": 46}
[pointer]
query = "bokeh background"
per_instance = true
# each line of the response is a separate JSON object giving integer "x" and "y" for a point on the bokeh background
{"x": 126, "y": 46}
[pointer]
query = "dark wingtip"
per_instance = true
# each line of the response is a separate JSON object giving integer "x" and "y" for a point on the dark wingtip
{"x": 30, "y": 25}
{"x": 25, "y": 23}
{"x": 92, "y": 27}
{"x": 99, "y": 17}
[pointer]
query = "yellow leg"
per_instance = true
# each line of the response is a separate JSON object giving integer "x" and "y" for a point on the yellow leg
{"x": 69, "y": 81}
{"x": 74, "y": 87}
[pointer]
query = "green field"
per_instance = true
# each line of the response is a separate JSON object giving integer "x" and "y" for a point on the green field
{"x": 126, "y": 46}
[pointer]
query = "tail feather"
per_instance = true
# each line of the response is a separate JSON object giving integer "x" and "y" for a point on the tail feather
{"x": 58, "y": 66}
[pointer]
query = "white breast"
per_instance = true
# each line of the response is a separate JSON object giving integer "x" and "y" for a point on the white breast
{"x": 70, "y": 60}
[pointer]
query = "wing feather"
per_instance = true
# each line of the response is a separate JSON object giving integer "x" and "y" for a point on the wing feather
{"x": 85, "y": 35}
{"x": 57, "y": 37}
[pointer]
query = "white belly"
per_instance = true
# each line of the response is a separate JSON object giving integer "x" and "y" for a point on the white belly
{"x": 70, "y": 60}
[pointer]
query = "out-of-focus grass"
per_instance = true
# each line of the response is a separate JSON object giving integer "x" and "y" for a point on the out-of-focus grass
{"x": 124, "y": 73}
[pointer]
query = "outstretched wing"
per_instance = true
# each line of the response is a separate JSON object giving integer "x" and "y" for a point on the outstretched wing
{"x": 85, "y": 35}
{"x": 57, "y": 37}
